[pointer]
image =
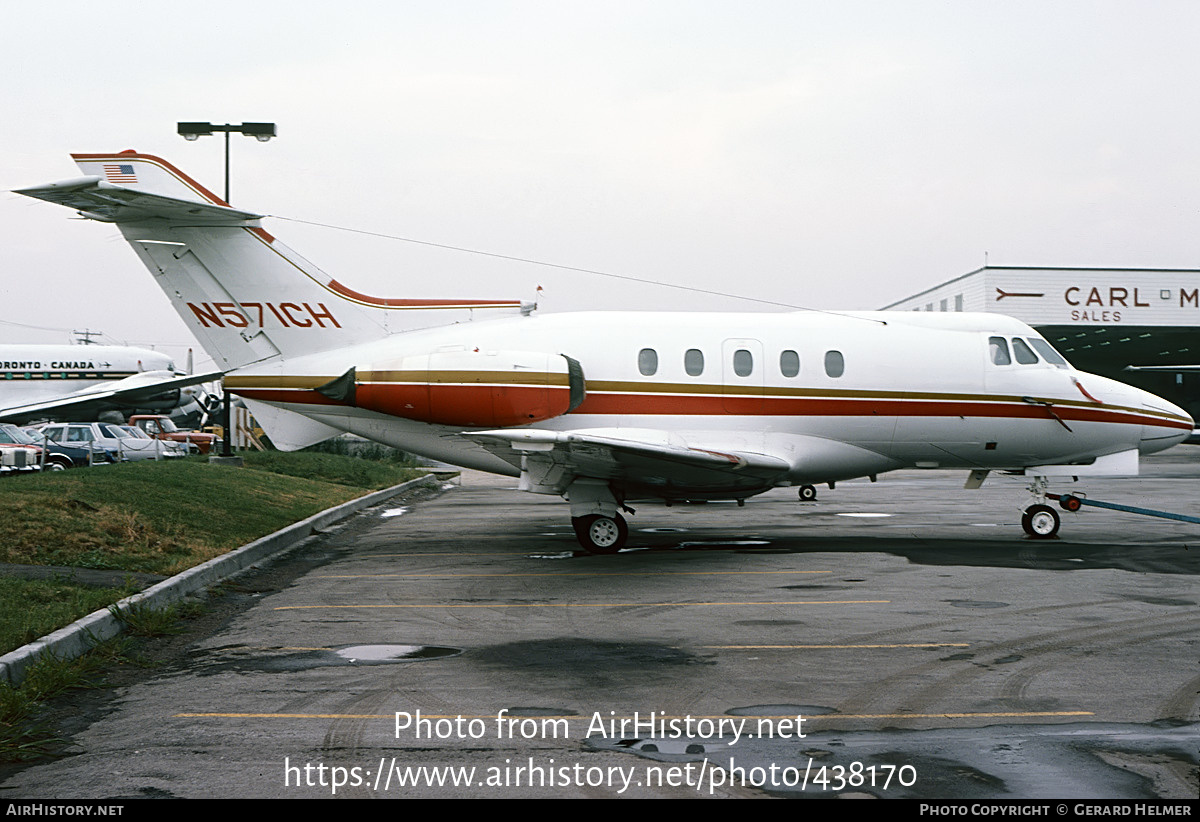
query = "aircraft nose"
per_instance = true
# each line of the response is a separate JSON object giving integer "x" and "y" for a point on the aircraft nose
{"x": 1168, "y": 424}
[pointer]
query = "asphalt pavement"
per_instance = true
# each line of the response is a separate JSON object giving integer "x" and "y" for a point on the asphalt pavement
{"x": 892, "y": 639}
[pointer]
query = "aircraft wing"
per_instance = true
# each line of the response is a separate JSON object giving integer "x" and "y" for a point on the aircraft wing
{"x": 101, "y": 200}
{"x": 1167, "y": 368}
{"x": 131, "y": 390}
{"x": 652, "y": 461}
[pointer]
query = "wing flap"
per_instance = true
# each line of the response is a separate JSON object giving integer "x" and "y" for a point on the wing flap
{"x": 650, "y": 462}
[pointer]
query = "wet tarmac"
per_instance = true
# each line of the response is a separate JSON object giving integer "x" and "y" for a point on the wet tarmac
{"x": 895, "y": 639}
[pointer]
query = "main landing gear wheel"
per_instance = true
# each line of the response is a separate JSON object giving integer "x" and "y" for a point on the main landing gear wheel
{"x": 599, "y": 534}
{"x": 808, "y": 493}
{"x": 1040, "y": 521}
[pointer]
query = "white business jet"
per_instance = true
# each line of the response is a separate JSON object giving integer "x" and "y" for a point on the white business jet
{"x": 605, "y": 408}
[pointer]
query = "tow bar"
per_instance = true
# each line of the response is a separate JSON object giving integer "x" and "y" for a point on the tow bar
{"x": 1071, "y": 502}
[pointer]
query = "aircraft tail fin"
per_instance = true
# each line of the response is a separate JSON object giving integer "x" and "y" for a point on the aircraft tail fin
{"x": 246, "y": 296}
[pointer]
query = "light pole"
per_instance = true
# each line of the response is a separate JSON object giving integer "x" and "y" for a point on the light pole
{"x": 261, "y": 132}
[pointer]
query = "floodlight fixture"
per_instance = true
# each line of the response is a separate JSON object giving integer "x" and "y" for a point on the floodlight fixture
{"x": 259, "y": 131}
{"x": 194, "y": 131}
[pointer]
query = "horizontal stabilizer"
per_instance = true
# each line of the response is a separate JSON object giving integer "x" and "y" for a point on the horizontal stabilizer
{"x": 110, "y": 203}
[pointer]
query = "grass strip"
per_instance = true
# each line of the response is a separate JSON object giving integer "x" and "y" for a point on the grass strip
{"x": 165, "y": 517}
{"x": 35, "y": 607}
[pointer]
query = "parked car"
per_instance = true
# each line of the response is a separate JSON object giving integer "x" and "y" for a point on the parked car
{"x": 162, "y": 427}
{"x": 106, "y": 438}
{"x": 168, "y": 449}
{"x": 58, "y": 457}
{"x": 17, "y": 454}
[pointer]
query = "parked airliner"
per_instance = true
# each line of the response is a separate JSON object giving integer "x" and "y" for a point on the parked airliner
{"x": 81, "y": 382}
{"x": 605, "y": 408}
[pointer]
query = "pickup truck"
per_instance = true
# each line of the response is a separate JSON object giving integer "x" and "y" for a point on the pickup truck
{"x": 160, "y": 427}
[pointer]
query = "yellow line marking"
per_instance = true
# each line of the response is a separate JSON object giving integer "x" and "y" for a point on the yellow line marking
{"x": 807, "y": 717}
{"x": 568, "y": 574}
{"x": 593, "y": 604}
{"x": 809, "y": 647}
{"x": 286, "y": 648}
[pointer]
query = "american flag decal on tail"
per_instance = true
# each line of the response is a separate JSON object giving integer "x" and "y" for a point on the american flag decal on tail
{"x": 119, "y": 173}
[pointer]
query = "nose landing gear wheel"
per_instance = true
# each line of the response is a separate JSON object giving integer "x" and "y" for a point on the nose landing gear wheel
{"x": 599, "y": 534}
{"x": 1040, "y": 521}
{"x": 808, "y": 493}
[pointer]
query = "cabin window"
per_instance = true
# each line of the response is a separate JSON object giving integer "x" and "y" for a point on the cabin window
{"x": 998, "y": 351}
{"x": 789, "y": 363}
{"x": 743, "y": 362}
{"x": 835, "y": 364}
{"x": 648, "y": 362}
{"x": 1022, "y": 352}
{"x": 693, "y": 362}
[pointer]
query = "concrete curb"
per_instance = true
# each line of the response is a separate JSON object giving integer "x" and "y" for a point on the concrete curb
{"x": 83, "y": 634}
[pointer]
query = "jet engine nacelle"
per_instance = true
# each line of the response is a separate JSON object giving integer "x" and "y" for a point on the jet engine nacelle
{"x": 469, "y": 388}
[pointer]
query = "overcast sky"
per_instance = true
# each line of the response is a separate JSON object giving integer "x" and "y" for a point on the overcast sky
{"x": 821, "y": 154}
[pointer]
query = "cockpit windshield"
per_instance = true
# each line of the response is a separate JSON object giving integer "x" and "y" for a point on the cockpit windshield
{"x": 1022, "y": 353}
{"x": 1048, "y": 353}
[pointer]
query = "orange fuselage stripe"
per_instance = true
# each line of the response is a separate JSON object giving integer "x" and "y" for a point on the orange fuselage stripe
{"x": 755, "y": 405}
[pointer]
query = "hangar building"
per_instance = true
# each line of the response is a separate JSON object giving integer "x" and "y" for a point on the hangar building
{"x": 1104, "y": 320}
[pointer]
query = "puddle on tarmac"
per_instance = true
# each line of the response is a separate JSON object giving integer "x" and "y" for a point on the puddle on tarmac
{"x": 717, "y": 543}
{"x": 393, "y": 653}
{"x": 242, "y": 659}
